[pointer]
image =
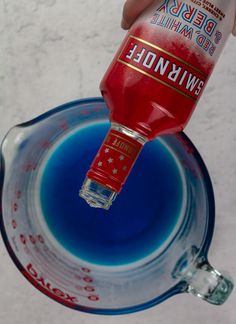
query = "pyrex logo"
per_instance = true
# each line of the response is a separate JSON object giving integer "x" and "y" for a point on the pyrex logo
{"x": 188, "y": 13}
{"x": 54, "y": 292}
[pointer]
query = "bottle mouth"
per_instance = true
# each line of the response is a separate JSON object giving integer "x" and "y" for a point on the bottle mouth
{"x": 96, "y": 195}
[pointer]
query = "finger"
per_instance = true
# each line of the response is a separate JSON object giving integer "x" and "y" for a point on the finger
{"x": 132, "y": 9}
{"x": 234, "y": 29}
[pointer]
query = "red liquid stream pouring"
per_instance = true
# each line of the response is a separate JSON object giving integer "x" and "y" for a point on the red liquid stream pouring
{"x": 154, "y": 83}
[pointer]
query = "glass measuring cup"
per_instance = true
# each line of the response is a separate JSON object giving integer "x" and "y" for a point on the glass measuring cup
{"x": 181, "y": 265}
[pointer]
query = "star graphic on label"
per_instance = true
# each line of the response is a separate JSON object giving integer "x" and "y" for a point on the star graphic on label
{"x": 114, "y": 171}
{"x": 121, "y": 157}
{"x": 124, "y": 168}
{"x": 107, "y": 150}
{"x": 110, "y": 160}
{"x": 100, "y": 163}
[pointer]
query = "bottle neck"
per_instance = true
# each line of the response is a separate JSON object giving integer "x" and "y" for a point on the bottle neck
{"x": 129, "y": 132}
{"x": 112, "y": 166}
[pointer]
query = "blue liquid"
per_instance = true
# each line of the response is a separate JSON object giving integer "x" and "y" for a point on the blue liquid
{"x": 139, "y": 222}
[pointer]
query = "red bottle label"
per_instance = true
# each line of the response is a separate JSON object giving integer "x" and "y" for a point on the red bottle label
{"x": 114, "y": 160}
{"x": 163, "y": 67}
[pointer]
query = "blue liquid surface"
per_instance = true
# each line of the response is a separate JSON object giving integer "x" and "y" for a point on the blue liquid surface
{"x": 140, "y": 220}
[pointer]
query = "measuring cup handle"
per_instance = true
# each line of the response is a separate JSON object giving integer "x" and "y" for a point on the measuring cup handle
{"x": 209, "y": 284}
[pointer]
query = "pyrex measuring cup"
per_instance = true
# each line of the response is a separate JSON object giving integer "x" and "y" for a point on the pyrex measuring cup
{"x": 180, "y": 266}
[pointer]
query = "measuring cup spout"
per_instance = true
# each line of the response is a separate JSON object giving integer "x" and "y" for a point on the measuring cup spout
{"x": 11, "y": 144}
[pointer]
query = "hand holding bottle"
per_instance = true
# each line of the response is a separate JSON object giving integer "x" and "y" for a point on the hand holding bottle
{"x": 133, "y": 8}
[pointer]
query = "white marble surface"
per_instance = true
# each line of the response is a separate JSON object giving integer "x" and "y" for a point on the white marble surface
{"x": 55, "y": 51}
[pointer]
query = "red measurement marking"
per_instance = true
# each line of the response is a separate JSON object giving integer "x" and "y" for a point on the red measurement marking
{"x": 64, "y": 126}
{"x": 98, "y": 109}
{"x": 89, "y": 288}
{"x": 14, "y": 224}
{"x": 30, "y": 167}
{"x": 32, "y": 239}
{"x": 88, "y": 279}
{"x": 84, "y": 113}
{"x": 45, "y": 144}
{"x": 14, "y": 207}
{"x": 93, "y": 297}
{"x": 86, "y": 270}
{"x": 40, "y": 238}
{"x": 22, "y": 239}
{"x": 189, "y": 148}
{"x": 18, "y": 194}
{"x": 189, "y": 166}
